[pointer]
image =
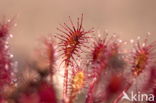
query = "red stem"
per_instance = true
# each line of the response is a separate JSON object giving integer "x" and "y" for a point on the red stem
{"x": 51, "y": 72}
{"x": 121, "y": 94}
{"x": 89, "y": 98}
{"x": 65, "y": 98}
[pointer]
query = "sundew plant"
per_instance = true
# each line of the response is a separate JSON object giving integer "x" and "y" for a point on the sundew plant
{"x": 96, "y": 68}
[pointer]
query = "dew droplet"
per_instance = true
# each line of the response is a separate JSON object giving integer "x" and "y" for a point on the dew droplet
{"x": 131, "y": 41}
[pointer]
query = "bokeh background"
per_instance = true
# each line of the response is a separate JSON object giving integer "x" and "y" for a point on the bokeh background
{"x": 36, "y": 18}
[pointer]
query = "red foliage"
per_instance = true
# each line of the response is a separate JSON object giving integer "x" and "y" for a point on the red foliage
{"x": 106, "y": 69}
{"x": 99, "y": 52}
{"x": 99, "y": 63}
{"x": 5, "y": 56}
{"x": 47, "y": 93}
{"x": 72, "y": 39}
{"x": 115, "y": 84}
{"x": 50, "y": 55}
{"x": 143, "y": 57}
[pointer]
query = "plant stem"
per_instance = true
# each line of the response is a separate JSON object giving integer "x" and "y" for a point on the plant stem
{"x": 89, "y": 98}
{"x": 121, "y": 94}
{"x": 65, "y": 86}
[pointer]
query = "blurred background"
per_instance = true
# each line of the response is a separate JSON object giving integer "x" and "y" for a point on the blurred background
{"x": 36, "y": 18}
